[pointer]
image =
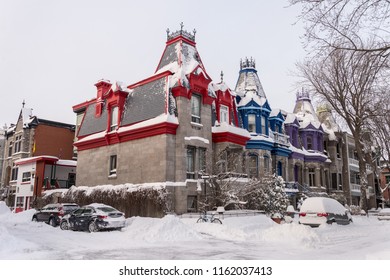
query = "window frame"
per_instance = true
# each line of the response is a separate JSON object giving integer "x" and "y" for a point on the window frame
{"x": 253, "y": 171}
{"x": 224, "y": 114}
{"x": 252, "y": 123}
{"x": 113, "y": 165}
{"x": 309, "y": 141}
{"x": 26, "y": 177}
{"x": 196, "y": 112}
{"x": 114, "y": 118}
{"x": 190, "y": 162}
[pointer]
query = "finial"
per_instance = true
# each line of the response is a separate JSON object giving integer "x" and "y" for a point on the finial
{"x": 23, "y": 103}
{"x": 221, "y": 76}
{"x": 194, "y": 31}
{"x": 181, "y": 26}
{"x": 168, "y": 32}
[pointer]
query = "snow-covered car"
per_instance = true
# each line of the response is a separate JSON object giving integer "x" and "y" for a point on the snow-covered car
{"x": 316, "y": 211}
{"x": 53, "y": 213}
{"x": 94, "y": 217}
{"x": 384, "y": 214}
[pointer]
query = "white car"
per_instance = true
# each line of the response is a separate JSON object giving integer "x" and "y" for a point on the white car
{"x": 316, "y": 211}
{"x": 384, "y": 214}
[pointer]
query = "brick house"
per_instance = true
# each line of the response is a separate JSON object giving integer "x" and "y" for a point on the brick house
{"x": 30, "y": 137}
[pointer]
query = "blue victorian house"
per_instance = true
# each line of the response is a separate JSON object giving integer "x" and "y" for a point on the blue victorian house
{"x": 267, "y": 150}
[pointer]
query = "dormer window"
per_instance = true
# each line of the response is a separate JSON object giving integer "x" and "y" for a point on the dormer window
{"x": 263, "y": 130}
{"x": 195, "y": 108}
{"x": 223, "y": 114}
{"x": 114, "y": 118}
{"x": 252, "y": 123}
{"x": 309, "y": 143}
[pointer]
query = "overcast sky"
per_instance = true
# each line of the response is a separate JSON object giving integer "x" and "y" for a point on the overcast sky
{"x": 53, "y": 52}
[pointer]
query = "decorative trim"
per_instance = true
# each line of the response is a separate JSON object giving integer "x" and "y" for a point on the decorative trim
{"x": 125, "y": 136}
{"x": 229, "y": 137}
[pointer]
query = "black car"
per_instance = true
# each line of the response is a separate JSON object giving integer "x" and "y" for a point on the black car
{"x": 53, "y": 213}
{"x": 94, "y": 217}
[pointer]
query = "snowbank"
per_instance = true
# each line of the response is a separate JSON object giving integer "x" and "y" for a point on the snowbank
{"x": 168, "y": 228}
{"x": 4, "y": 208}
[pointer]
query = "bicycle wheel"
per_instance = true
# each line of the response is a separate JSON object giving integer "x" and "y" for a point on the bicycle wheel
{"x": 200, "y": 220}
{"x": 216, "y": 221}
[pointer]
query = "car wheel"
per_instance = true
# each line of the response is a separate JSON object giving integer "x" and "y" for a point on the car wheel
{"x": 52, "y": 222}
{"x": 34, "y": 219}
{"x": 92, "y": 227}
{"x": 64, "y": 225}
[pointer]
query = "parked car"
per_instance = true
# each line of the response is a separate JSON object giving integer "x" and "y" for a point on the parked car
{"x": 322, "y": 210}
{"x": 94, "y": 217}
{"x": 53, "y": 213}
{"x": 384, "y": 214}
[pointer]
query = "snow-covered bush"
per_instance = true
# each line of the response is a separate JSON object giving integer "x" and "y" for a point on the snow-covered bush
{"x": 267, "y": 194}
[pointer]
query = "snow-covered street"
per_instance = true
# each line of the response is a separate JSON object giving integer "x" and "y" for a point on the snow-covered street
{"x": 175, "y": 238}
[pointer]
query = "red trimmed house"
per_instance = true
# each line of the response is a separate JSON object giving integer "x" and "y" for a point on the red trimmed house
{"x": 39, "y": 174}
{"x": 168, "y": 128}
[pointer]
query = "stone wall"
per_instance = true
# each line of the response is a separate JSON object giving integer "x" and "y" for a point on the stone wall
{"x": 139, "y": 161}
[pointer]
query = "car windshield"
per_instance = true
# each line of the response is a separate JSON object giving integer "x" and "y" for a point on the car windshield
{"x": 70, "y": 207}
{"x": 107, "y": 209}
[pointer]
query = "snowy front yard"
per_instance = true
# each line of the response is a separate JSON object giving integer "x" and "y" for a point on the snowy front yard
{"x": 169, "y": 238}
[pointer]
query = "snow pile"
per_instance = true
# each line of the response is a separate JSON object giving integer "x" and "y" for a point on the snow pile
{"x": 293, "y": 234}
{"x": 168, "y": 228}
{"x": 4, "y": 208}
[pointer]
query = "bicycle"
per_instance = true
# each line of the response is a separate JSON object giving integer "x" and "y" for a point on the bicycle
{"x": 204, "y": 218}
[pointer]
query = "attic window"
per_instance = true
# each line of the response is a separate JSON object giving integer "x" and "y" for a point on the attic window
{"x": 223, "y": 114}
{"x": 114, "y": 118}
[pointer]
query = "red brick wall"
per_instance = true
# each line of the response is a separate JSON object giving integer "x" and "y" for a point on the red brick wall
{"x": 53, "y": 141}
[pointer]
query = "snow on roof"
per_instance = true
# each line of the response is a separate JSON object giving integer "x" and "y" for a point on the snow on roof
{"x": 249, "y": 96}
{"x": 30, "y": 159}
{"x": 159, "y": 119}
{"x": 120, "y": 86}
{"x": 248, "y": 81}
{"x": 329, "y": 124}
{"x": 275, "y": 112}
{"x": 181, "y": 68}
{"x": 290, "y": 118}
{"x": 26, "y": 116}
{"x": 67, "y": 162}
{"x": 225, "y": 127}
{"x": 220, "y": 86}
{"x": 204, "y": 140}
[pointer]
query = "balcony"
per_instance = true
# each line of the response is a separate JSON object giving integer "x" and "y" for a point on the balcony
{"x": 279, "y": 138}
{"x": 355, "y": 188}
{"x": 354, "y": 163}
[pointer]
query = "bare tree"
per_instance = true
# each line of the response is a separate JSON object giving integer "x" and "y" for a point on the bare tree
{"x": 355, "y": 25}
{"x": 349, "y": 82}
